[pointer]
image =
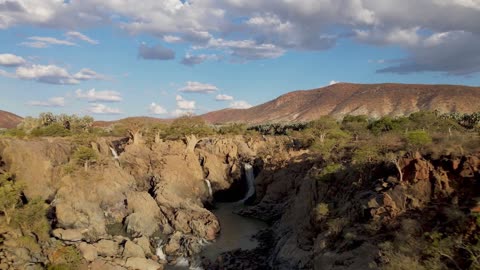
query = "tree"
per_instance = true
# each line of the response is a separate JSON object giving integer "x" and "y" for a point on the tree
{"x": 47, "y": 118}
{"x": 395, "y": 159}
{"x": 324, "y": 126}
{"x": 417, "y": 139}
{"x": 356, "y": 125}
{"x": 85, "y": 155}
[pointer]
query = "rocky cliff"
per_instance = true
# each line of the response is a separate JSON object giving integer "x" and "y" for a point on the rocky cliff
{"x": 148, "y": 207}
{"x": 118, "y": 212}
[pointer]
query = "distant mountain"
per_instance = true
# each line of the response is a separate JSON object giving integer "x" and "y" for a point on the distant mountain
{"x": 9, "y": 120}
{"x": 374, "y": 100}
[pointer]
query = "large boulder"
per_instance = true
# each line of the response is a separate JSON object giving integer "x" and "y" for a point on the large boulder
{"x": 89, "y": 252}
{"x": 107, "y": 248}
{"x": 132, "y": 250}
{"x": 143, "y": 264}
{"x": 144, "y": 243}
{"x": 146, "y": 215}
{"x": 72, "y": 235}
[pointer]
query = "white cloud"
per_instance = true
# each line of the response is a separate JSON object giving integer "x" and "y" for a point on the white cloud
{"x": 45, "y": 42}
{"x": 80, "y": 36}
{"x": 332, "y": 82}
{"x": 240, "y": 104}
{"x": 184, "y": 104}
{"x": 102, "y": 109}
{"x": 51, "y": 102}
{"x": 93, "y": 95}
{"x": 172, "y": 39}
{"x": 46, "y": 74}
{"x": 197, "y": 87}
{"x": 191, "y": 60}
{"x": 222, "y": 97}
{"x": 51, "y": 74}
{"x": 154, "y": 108}
{"x": 11, "y": 60}
{"x": 245, "y": 49}
{"x": 88, "y": 74}
{"x": 268, "y": 29}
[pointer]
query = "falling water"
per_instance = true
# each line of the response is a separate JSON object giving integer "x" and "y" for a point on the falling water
{"x": 114, "y": 153}
{"x": 250, "y": 181}
{"x": 159, "y": 252}
{"x": 209, "y": 186}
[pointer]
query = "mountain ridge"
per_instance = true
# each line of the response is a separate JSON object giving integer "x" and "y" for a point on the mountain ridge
{"x": 9, "y": 120}
{"x": 338, "y": 100}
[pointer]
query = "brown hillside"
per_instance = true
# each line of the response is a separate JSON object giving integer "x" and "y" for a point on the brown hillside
{"x": 337, "y": 100}
{"x": 9, "y": 120}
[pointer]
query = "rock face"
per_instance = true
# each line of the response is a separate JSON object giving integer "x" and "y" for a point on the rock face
{"x": 122, "y": 208}
{"x": 341, "y": 99}
{"x": 339, "y": 222}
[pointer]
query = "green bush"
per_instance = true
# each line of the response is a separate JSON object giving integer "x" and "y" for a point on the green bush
{"x": 52, "y": 130}
{"x": 32, "y": 218}
{"x": 417, "y": 139}
{"x": 84, "y": 154}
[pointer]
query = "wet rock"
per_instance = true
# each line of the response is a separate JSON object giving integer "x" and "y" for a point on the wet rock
{"x": 143, "y": 264}
{"x": 173, "y": 245}
{"x": 133, "y": 250}
{"x": 89, "y": 252}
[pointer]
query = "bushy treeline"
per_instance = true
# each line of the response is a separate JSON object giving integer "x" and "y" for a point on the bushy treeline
{"x": 50, "y": 125}
{"x": 370, "y": 140}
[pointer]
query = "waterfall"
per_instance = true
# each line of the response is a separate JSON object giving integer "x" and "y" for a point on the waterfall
{"x": 159, "y": 251}
{"x": 209, "y": 186}
{"x": 250, "y": 181}
{"x": 114, "y": 153}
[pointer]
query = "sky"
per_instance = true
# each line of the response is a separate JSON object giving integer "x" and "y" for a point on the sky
{"x": 117, "y": 58}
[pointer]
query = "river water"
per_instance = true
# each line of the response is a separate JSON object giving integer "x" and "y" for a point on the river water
{"x": 236, "y": 231}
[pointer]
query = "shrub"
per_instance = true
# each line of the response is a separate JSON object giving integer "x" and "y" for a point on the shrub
{"x": 84, "y": 155}
{"x": 32, "y": 218}
{"x": 52, "y": 130}
{"x": 10, "y": 192}
{"x": 418, "y": 139}
{"x": 65, "y": 258}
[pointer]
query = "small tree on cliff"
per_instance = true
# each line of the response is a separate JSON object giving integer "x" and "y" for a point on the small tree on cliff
{"x": 84, "y": 156}
{"x": 395, "y": 158}
{"x": 190, "y": 129}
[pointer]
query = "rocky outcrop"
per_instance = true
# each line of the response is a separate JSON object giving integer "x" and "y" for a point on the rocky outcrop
{"x": 123, "y": 206}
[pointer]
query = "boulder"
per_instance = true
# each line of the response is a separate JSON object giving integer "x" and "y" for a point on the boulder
{"x": 107, "y": 248}
{"x": 146, "y": 216}
{"x": 144, "y": 243}
{"x": 103, "y": 265}
{"x": 89, "y": 252}
{"x": 173, "y": 245}
{"x": 133, "y": 250}
{"x": 73, "y": 235}
{"x": 143, "y": 264}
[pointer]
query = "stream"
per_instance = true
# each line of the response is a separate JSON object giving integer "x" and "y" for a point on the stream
{"x": 236, "y": 231}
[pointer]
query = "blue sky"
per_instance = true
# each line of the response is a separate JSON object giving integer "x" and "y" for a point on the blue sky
{"x": 171, "y": 58}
